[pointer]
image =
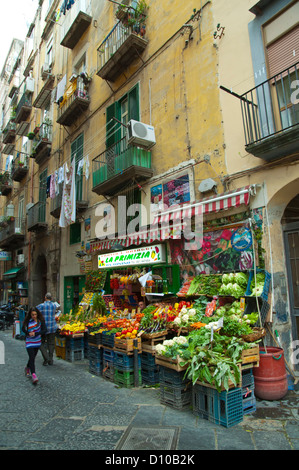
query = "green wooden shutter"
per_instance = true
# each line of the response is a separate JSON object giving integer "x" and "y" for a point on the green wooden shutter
{"x": 133, "y": 97}
{"x": 110, "y": 134}
{"x": 77, "y": 153}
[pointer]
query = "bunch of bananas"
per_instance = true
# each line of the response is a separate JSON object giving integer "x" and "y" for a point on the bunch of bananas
{"x": 71, "y": 328}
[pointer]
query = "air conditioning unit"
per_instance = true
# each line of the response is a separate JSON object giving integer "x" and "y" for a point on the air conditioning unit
{"x": 140, "y": 134}
{"x": 29, "y": 88}
{"x": 45, "y": 71}
{"x": 20, "y": 259}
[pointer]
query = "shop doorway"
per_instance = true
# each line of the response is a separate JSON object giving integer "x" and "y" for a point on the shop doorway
{"x": 290, "y": 224}
{"x": 74, "y": 288}
{"x": 40, "y": 280}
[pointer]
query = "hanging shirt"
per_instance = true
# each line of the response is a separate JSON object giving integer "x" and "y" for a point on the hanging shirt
{"x": 68, "y": 203}
{"x": 52, "y": 186}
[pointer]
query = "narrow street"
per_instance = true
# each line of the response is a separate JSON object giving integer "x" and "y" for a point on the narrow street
{"x": 70, "y": 409}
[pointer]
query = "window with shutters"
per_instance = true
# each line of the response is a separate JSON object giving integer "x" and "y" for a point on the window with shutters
{"x": 75, "y": 233}
{"x": 77, "y": 154}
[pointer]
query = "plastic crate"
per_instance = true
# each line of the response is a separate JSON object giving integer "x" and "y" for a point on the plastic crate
{"x": 74, "y": 344}
{"x": 124, "y": 362}
{"x": 251, "y": 306}
{"x": 267, "y": 282}
{"x": 176, "y": 396}
{"x": 108, "y": 339}
{"x": 72, "y": 356}
{"x": 172, "y": 377}
{"x": 150, "y": 375}
{"x": 224, "y": 408}
{"x": 147, "y": 359}
{"x": 95, "y": 339}
{"x": 126, "y": 378}
{"x": 247, "y": 378}
{"x": 108, "y": 355}
{"x": 108, "y": 371}
{"x": 60, "y": 341}
{"x": 95, "y": 353}
{"x": 95, "y": 367}
{"x": 249, "y": 405}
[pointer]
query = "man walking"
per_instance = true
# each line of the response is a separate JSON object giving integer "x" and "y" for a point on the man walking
{"x": 48, "y": 310}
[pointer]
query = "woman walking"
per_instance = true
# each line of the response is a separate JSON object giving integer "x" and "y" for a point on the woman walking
{"x": 34, "y": 327}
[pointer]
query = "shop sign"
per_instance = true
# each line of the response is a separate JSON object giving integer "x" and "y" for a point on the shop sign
{"x": 5, "y": 256}
{"x": 135, "y": 257}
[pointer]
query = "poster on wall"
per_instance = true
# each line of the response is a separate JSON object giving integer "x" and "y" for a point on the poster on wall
{"x": 172, "y": 193}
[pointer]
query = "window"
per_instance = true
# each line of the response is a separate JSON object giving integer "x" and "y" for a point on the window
{"x": 75, "y": 233}
{"x": 49, "y": 55}
{"x": 77, "y": 153}
{"x": 123, "y": 110}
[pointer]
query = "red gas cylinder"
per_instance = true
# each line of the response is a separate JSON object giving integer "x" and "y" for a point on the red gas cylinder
{"x": 270, "y": 378}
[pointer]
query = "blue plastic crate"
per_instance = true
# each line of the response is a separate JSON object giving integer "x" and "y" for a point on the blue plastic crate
{"x": 95, "y": 367}
{"x": 172, "y": 377}
{"x": 74, "y": 344}
{"x": 247, "y": 378}
{"x": 72, "y": 356}
{"x": 267, "y": 282}
{"x": 147, "y": 359}
{"x": 108, "y": 339}
{"x": 95, "y": 353}
{"x": 124, "y": 362}
{"x": 150, "y": 375}
{"x": 176, "y": 396}
{"x": 224, "y": 408}
{"x": 249, "y": 405}
{"x": 108, "y": 355}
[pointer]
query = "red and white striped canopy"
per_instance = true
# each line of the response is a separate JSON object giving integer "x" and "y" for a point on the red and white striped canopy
{"x": 160, "y": 229}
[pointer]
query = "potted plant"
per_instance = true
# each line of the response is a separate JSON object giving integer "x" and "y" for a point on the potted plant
{"x": 31, "y": 135}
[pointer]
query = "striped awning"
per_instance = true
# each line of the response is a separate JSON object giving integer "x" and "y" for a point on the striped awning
{"x": 160, "y": 229}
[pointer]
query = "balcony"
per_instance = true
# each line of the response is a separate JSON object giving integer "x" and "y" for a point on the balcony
{"x": 74, "y": 102}
{"x": 76, "y": 22}
{"x": 24, "y": 108}
{"x": 20, "y": 167}
{"x": 119, "y": 49}
{"x": 36, "y": 218}
{"x": 81, "y": 198}
{"x": 42, "y": 143}
{"x": 9, "y": 133}
{"x": 5, "y": 183}
{"x": 45, "y": 92}
{"x": 270, "y": 113}
{"x": 12, "y": 232}
{"x": 118, "y": 165}
{"x": 8, "y": 149}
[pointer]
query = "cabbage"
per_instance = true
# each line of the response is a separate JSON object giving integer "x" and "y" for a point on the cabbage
{"x": 241, "y": 279}
{"x": 225, "y": 278}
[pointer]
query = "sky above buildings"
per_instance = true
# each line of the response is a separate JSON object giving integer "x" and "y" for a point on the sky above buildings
{"x": 15, "y": 19}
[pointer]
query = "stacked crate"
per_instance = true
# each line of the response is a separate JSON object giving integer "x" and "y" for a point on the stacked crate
{"x": 108, "y": 363}
{"x": 149, "y": 369}
{"x": 124, "y": 369}
{"x": 224, "y": 408}
{"x": 74, "y": 350}
{"x": 60, "y": 346}
{"x": 175, "y": 388}
{"x": 95, "y": 356}
{"x": 249, "y": 401}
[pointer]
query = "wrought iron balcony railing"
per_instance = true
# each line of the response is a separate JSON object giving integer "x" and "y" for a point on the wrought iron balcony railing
{"x": 20, "y": 166}
{"x": 120, "y": 163}
{"x": 118, "y": 50}
{"x": 12, "y": 230}
{"x": 36, "y": 217}
{"x": 270, "y": 113}
{"x": 74, "y": 102}
{"x": 24, "y": 108}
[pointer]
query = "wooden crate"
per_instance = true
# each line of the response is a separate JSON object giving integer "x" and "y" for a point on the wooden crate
{"x": 126, "y": 345}
{"x": 150, "y": 344}
{"x": 251, "y": 356}
{"x": 173, "y": 364}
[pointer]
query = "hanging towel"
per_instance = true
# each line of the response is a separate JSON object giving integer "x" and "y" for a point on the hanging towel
{"x": 52, "y": 186}
{"x": 80, "y": 166}
{"x": 61, "y": 175}
{"x": 68, "y": 203}
{"x": 56, "y": 183}
{"x": 87, "y": 167}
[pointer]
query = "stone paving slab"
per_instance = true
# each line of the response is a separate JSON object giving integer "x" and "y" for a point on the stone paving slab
{"x": 75, "y": 410}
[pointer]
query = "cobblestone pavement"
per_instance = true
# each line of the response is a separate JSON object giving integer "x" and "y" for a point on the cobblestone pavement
{"x": 71, "y": 409}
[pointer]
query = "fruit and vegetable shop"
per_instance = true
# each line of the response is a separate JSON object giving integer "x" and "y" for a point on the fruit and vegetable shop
{"x": 191, "y": 322}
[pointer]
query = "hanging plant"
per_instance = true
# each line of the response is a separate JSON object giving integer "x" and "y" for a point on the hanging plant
{"x": 31, "y": 135}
